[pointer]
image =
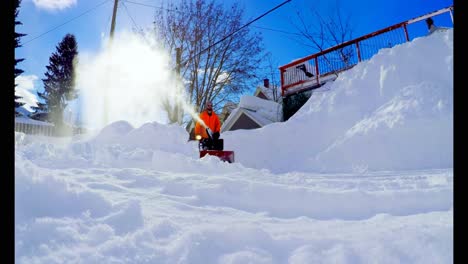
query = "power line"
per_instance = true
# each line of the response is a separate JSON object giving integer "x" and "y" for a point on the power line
{"x": 302, "y": 35}
{"x": 128, "y": 13}
{"x": 277, "y": 30}
{"x": 152, "y": 6}
{"x": 224, "y": 38}
{"x": 80, "y": 15}
{"x": 239, "y": 29}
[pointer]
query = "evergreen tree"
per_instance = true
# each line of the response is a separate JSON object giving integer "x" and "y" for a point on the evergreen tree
{"x": 60, "y": 80}
{"x": 17, "y": 45}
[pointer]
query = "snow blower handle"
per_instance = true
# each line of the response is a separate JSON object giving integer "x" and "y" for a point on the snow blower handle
{"x": 209, "y": 132}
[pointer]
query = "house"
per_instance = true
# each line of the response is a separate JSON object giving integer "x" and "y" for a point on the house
{"x": 255, "y": 111}
{"x": 268, "y": 93}
{"x": 227, "y": 109}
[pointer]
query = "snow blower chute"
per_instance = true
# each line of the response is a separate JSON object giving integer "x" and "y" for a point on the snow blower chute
{"x": 214, "y": 146}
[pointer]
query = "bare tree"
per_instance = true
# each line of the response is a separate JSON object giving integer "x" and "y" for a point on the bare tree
{"x": 213, "y": 70}
{"x": 273, "y": 78}
{"x": 321, "y": 31}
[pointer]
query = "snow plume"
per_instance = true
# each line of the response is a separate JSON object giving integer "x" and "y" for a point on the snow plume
{"x": 130, "y": 79}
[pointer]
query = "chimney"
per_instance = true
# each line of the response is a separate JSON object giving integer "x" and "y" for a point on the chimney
{"x": 266, "y": 83}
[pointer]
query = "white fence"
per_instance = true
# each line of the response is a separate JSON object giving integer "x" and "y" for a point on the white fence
{"x": 35, "y": 129}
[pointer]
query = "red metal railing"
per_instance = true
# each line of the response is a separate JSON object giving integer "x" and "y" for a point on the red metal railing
{"x": 313, "y": 70}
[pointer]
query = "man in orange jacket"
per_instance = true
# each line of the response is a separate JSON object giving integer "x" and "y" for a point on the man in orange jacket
{"x": 211, "y": 121}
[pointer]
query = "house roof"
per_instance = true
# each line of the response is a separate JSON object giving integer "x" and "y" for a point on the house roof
{"x": 227, "y": 109}
{"x": 268, "y": 92}
{"x": 261, "y": 111}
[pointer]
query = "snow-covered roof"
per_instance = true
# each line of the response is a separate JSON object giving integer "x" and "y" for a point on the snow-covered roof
{"x": 261, "y": 111}
{"x": 271, "y": 93}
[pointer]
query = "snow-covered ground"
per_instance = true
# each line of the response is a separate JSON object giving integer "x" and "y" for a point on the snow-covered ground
{"x": 363, "y": 173}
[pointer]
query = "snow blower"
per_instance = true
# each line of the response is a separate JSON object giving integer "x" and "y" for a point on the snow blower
{"x": 213, "y": 145}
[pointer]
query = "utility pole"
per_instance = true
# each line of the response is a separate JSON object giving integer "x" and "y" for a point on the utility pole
{"x": 105, "y": 104}
{"x": 114, "y": 14}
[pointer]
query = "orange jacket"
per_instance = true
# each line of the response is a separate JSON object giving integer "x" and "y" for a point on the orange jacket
{"x": 211, "y": 121}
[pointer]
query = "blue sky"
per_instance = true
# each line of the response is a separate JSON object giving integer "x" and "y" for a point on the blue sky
{"x": 40, "y": 16}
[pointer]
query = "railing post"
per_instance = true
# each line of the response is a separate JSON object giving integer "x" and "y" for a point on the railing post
{"x": 358, "y": 51}
{"x": 282, "y": 80}
{"x": 317, "y": 70}
{"x": 406, "y": 32}
{"x": 451, "y": 14}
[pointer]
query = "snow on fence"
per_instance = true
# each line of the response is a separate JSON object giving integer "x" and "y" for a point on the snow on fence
{"x": 34, "y": 127}
{"x": 45, "y": 129}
